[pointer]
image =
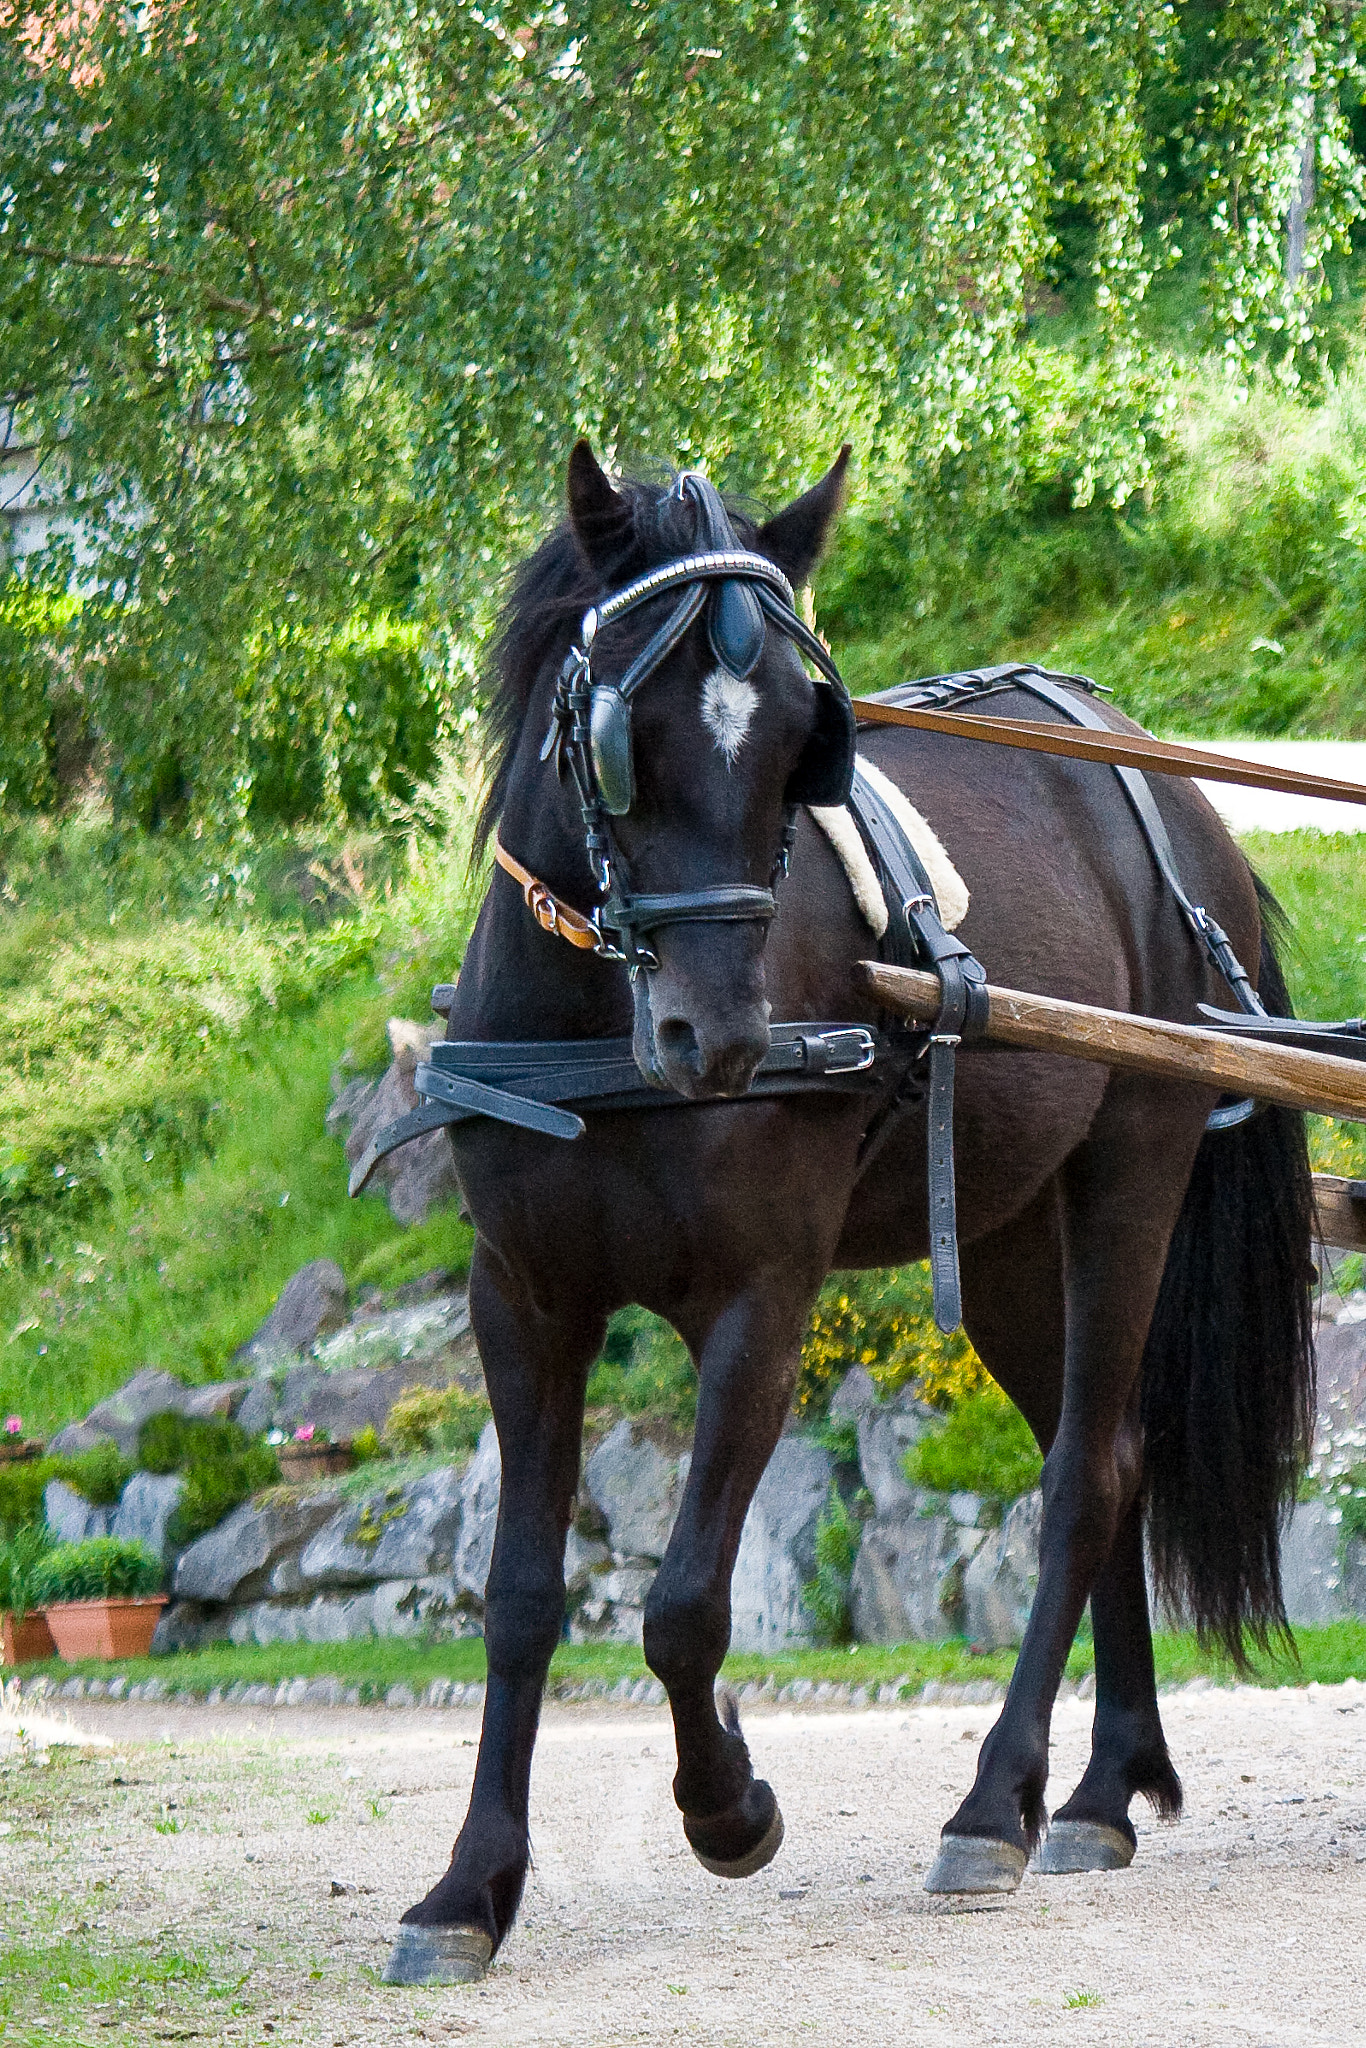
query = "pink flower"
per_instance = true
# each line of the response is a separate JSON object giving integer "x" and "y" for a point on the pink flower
{"x": 304, "y": 1433}
{"x": 14, "y": 1425}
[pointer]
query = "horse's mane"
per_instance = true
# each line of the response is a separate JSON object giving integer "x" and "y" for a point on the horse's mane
{"x": 550, "y": 592}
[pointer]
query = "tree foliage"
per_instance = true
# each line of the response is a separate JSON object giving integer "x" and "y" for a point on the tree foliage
{"x": 307, "y": 300}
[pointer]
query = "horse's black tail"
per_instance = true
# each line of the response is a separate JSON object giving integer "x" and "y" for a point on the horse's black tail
{"x": 1228, "y": 1374}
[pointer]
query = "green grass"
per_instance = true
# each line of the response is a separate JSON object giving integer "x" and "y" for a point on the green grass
{"x": 1328, "y": 1655}
{"x": 1233, "y": 603}
{"x": 53, "y": 1973}
{"x": 179, "y": 1276}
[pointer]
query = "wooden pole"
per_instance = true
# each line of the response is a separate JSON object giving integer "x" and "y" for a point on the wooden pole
{"x": 1317, "y": 1081}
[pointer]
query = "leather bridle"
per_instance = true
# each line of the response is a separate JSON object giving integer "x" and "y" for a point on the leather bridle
{"x": 590, "y": 733}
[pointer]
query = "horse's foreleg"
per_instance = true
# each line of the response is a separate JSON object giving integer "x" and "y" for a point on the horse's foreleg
{"x": 1121, "y": 1193}
{"x": 536, "y": 1368}
{"x": 747, "y": 1369}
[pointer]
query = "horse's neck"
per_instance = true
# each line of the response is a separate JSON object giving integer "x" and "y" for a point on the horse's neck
{"x": 519, "y": 981}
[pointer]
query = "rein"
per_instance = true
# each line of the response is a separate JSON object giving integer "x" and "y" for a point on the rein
{"x": 1115, "y": 750}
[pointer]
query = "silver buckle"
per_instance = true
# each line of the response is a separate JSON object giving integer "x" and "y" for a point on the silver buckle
{"x": 605, "y": 949}
{"x": 861, "y": 1046}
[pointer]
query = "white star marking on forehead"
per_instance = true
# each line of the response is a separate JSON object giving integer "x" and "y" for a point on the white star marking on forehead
{"x": 728, "y": 705}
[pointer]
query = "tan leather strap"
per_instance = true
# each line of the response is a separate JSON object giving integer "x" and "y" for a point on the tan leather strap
{"x": 1116, "y": 749}
{"x": 550, "y": 911}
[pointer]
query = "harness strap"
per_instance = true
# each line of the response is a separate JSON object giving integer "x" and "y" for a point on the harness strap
{"x": 914, "y": 936}
{"x": 550, "y": 911}
{"x": 524, "y": 1081}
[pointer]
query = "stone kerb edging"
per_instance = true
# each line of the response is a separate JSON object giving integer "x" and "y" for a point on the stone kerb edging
{"x": 445, "y": 1693}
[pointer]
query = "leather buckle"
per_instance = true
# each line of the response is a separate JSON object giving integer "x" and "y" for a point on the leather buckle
{"x": 543, "y": 907}
{"x": 846, "y": 1052}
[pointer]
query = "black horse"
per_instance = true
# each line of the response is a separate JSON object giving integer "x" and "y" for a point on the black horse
{"x": 1139, "y": 1287}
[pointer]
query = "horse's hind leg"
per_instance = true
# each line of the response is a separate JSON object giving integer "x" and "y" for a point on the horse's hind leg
{"x": 1128, "y": 1748}
{"x": 1120, "y": 1196}
{"x": 536, "y": 1369}
{"x": 747, "y": 1369}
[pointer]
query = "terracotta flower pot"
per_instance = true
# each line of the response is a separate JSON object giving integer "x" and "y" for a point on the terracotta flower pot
{"x": 25, "y": 1639}
{"x": 17, "y": 1450}
{"x": 302, "y": 1462}
{"x": 104, "y": 1628}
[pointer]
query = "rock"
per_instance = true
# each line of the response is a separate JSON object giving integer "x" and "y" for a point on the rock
{"x": 76, "y": 1437}
{"x": 418, "y": 1175}
{"x": 219, "y": 1397}
{"x": 121, "y": 1417}
{"x": 584, "y": 1562}
{"x": 908, "y": 1580}
{"x": 429, "y": 1327}
{"x": 145, "y": 1507}
{"x": 600, "y": 1620}
{"x": 478, "y": 1516}
{"x": 234, "y": 1561}
{"x": 395, "y": 1533}
{"x": 148, "y": 1393}
{"x": 70, "y": 1517}
{"x": 190, "y": 1625}
{"x": 885, "y": 1434}
{"x": 355, "y": 1377}
{"x": 428, "y": 1607}
{"x": 313, "y": 1301}
{"x": 636, "y": 1489}
{"x": 855, "y": 1396}
{"x": 441, "y": 1281}
{"x": 965, "y": 1509}
{"x": 1000, "y": 1582}
{"x": 347, "y": 1105}
{"x": 1312, "y": 1566}
{"x": 778, "y": 1548}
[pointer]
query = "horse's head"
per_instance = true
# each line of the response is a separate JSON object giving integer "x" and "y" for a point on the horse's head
{"x": 699, "y": 731}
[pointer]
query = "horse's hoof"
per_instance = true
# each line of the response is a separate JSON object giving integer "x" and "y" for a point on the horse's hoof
{"x": 1072, "y": 1845}
{"x": 975, "y": 1863}
{"x": 438, "y": 1955}
{"x": 763, "y": 1852}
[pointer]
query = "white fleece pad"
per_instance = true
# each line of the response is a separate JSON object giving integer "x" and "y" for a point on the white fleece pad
{"x": 950, "y": 890}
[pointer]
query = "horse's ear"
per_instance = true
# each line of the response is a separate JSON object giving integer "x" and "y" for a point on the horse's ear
{"x": 599, "y": 516}
{"x": 795, "y": 538}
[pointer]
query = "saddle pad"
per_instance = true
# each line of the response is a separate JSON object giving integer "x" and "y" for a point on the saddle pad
{"x": 950, "y": 890}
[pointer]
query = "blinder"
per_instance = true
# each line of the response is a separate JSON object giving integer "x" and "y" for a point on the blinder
{"x": 609, "y": 727}
{"x": 824, "y": 774}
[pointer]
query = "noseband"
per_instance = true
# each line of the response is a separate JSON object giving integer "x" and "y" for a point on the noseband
{"x": 590, "y": 723}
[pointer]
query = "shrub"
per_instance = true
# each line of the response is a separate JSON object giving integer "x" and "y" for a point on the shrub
{"x": 21, "y": 1494}
{"x": 102, "y": 1569}
{"x": 985, "y": 1447}
{"x": 366, "y": 1447}
{"x": 826, "y": 1597}
{"x": 1350, "y": 1494}
{"x": 644, "y": 1365}
{"x": 99, "y": 1475}
{"x": 215, "y": 1486}
{"x": 883, "y": 1320}
{"x": 172, "y": 1443}
{"x": 435, "y": 1419}
{"x": 20, "y": 1556}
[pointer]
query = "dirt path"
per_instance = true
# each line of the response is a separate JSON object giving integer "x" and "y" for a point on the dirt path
{"x": 179, "y": 1886}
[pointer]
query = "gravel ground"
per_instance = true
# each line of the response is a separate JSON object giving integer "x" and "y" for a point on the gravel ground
{"x": 221, "y": 1875}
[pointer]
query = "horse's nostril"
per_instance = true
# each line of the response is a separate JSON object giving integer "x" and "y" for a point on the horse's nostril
{"x": 677, "y": 1042}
